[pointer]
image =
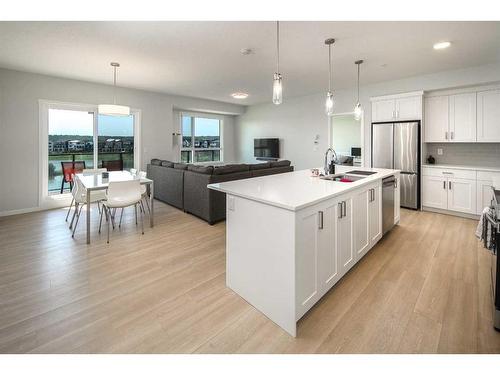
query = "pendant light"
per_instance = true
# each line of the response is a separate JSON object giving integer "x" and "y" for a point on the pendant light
{"x": 329, "y": 95}
{"x": 277, "y": 80}
{"x": 358, "y": 110}
{"x": 114, "y": 109}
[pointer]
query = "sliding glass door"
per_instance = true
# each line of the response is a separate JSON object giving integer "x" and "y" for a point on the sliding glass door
{"x": 74, "y": 136}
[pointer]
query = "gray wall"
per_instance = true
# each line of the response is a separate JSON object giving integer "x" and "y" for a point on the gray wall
{"x": 471, "y": 154}
{"x": 298, "y": 120}
{"x": 19, "y": 136}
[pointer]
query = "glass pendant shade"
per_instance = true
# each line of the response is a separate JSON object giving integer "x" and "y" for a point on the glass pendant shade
{"x": 277, "y": 89}
{"x": 113, "y": 110}
{"x": 329, "y": 104}
{"x": 358, "y": 111}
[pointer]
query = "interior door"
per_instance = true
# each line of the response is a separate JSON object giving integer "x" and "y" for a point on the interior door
{"x": 406, "y": 146}
{"x": 462, "y": 195}
{"x": 383, "y": 146}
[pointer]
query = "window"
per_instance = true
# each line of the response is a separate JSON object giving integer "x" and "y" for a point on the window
{"x": 74, "y": 136}
{"x": 201, "y": 138}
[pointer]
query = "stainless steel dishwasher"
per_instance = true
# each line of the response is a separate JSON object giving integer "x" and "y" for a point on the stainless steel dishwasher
{"x": 388, "y": 189}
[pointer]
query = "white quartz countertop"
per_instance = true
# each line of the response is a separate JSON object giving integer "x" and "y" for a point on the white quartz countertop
{"x": 296, "y": 190}
{"x": 468, "y": 167}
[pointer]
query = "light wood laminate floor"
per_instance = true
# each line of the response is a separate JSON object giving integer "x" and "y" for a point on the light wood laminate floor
{"x": 425, "y": 288}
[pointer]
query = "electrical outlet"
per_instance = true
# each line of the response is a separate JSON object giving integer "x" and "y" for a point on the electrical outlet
{"x": 440, "y": 151}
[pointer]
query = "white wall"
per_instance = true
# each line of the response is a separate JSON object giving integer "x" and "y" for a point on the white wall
{"x": 345, "y": 134}
{"x": 19, "y": 138}
{"x": 298, "y": 120}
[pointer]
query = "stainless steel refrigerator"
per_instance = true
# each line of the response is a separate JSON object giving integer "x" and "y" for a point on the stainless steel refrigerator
{"x": 397, "y": 146}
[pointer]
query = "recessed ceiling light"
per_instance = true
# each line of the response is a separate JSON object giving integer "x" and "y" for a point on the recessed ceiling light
{"x": 239, "y": 95}
{"x": 442, "y": 45}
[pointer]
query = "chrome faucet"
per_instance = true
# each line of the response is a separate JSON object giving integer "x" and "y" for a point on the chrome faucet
{"x": 327, "y": 170}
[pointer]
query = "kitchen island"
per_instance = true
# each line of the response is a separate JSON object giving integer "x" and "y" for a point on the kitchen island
{"x": 291, "y": 237}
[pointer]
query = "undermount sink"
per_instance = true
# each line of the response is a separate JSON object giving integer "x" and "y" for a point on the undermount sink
{"x": 342, "y": 177}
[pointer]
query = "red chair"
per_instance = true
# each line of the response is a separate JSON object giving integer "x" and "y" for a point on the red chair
{"x": 69, "y": 168}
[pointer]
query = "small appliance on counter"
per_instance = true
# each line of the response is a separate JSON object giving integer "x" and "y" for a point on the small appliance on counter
{"x": 431, "y": 160}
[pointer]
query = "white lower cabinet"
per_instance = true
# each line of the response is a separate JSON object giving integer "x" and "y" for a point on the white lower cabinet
{"x": 462, "y": 195}
{"x": 367, "y": 219}
{"x": 484, "y": 195}
{"x": 434, "y": 192}
{"x": 453, "y": 190}
{"x": 332, "y": 236}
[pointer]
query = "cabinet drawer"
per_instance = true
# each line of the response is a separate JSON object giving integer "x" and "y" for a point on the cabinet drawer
{"x": 452, "y": 173}
{"x": 487, "y": 175}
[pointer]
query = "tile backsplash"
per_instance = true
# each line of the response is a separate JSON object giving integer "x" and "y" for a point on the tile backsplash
{"x": 473, "y": 154}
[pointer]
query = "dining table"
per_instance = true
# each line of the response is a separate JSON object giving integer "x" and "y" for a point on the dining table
{"x": 96, "y": 181}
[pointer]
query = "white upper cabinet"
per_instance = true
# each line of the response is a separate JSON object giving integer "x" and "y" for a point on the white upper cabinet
{"x": 383, "y": 110}
{"x": 462, "y": 112}
{"x": 436, "y": 119}
{"x": 488, "y": 116}
{"x": 409, "y": 108}
{"x": 401, "y": 107}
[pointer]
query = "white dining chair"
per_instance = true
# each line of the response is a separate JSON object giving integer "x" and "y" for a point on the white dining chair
{"x": 95, "y": 193}
{"x": 144, "y": 190}
{"x": 80, "y": 198}
{"x": 122, "y": 194}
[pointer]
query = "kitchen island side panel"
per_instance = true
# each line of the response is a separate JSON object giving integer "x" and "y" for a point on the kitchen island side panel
{"x": 260, "y": 258}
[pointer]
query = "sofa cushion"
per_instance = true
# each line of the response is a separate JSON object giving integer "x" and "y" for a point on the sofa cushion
{"x": 201, "y": 169}
{"x": 166, "y": 163}
{"x": 254, "y": 167}
{"x": 182, "y": 166}
{"x": 155, "y": 162}
{"x": 281, "y": 163}
{"x": 231, "y": 168}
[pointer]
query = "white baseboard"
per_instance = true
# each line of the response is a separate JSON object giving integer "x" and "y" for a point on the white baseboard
{"x": 452, "y": 213}
{"x": 21, "y": 211}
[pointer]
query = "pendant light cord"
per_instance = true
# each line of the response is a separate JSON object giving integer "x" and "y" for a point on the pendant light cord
{"x": 330, "y": 67}
{"x": 114, "y": 85}
{"x": 358, "y": 81}
{"x": 278, "y": 46}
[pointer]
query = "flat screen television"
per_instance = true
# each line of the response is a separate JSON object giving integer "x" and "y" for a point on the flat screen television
{"x": 266, "y": 148}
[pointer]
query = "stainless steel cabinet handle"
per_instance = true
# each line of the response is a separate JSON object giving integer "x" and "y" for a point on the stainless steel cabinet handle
{"x": 393, "y": 114}
{"x": 396, "y": 183}
{"x": 444, "y": 185}
{"x": 449, "y": 184}
{"x": 451, "y": 135}
{"x": 445, "y": 135}
{"x": 340, "y": 210}
{"x": 447, "y": 172}
{"x": 320, "y": 221}
{"x": 344, "y": 212}
{"x": 397, "y": 114}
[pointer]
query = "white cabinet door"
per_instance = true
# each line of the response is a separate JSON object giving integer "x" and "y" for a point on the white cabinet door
{"x": 307, "y": 276}
{"x": 435, "y": 192}
{"x": 375, "y": 214}
{"x": 462, "y": 117}
{"x": 488, "y": 116}
{"x": 484, "y": 195}
{"x": 383, "y": 110}
{"x": 409, "y": 108}
{"x": 327, "y": 263}
{"x": 345, "y": 247}
{"x": 436, "y": 119}
{"x": 397, "y": 201}
{"x": 462, "y": 195}
{"x": 361, "y": 236}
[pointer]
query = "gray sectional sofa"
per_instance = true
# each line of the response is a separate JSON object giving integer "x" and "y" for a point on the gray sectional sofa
{"x": 185, "y": 185}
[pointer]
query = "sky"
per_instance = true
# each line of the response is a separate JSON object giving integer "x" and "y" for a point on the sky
{"x": 65, "y": 122}
{"x": 203, "y": 126}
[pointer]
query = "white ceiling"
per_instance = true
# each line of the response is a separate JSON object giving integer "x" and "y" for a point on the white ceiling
{"x": 203, "y": 59}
